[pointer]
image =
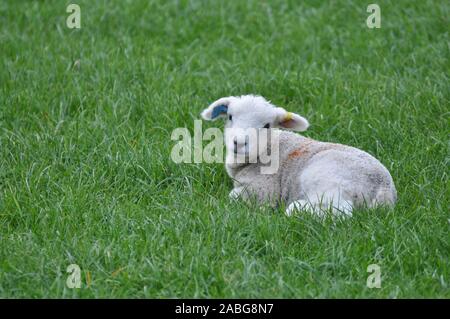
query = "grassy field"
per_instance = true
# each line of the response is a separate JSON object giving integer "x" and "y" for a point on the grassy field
{"x": 85, "y": 171}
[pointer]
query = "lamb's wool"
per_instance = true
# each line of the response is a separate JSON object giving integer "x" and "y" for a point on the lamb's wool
{"x": 313, "y": 172}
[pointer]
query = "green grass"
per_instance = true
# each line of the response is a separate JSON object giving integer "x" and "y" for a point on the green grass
{"x": 85, "y": 169}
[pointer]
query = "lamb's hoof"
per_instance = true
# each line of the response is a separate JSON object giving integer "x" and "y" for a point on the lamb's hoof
{"x": 296, "y": 206}
{"x": 343, "y": 210}
{"x": 234, "y": 194}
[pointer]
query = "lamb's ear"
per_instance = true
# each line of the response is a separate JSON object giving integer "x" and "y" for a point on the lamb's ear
{"x": 217, "y": 109}
{"x": 291, "y": 121}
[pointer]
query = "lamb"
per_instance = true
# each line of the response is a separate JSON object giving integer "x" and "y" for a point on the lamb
{"x": 313, "y": 176}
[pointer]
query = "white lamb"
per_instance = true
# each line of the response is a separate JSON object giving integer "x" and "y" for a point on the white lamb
{"x": 312, "y": 176}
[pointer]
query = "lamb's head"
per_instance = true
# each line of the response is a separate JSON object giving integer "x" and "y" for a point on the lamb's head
{"x": 250, "y": 118}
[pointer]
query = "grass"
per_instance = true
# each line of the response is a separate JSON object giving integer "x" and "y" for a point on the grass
{"x": 85, "y": 169}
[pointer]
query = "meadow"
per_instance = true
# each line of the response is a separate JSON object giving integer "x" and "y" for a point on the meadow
{"x": 86, "y": 177}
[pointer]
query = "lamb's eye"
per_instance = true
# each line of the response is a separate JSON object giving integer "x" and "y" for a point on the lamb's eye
{"x": 230, "y": 117}
{"x": 267, "y": 125}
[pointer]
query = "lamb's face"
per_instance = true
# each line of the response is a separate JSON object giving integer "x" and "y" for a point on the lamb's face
{"x": 249, "y": 120}
{"x": 248, "y": 124}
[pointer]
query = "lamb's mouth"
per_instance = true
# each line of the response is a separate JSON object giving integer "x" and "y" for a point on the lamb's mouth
{"x": 243, "y": 159}
{"x": 241, "y": 154}
{"x": 245, "y": 153}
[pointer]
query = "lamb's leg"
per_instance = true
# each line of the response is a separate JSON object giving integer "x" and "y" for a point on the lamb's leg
{"x": 321, "y": 205}
{"x": 236, "y": 193}
{"x": 298, "y": 205}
